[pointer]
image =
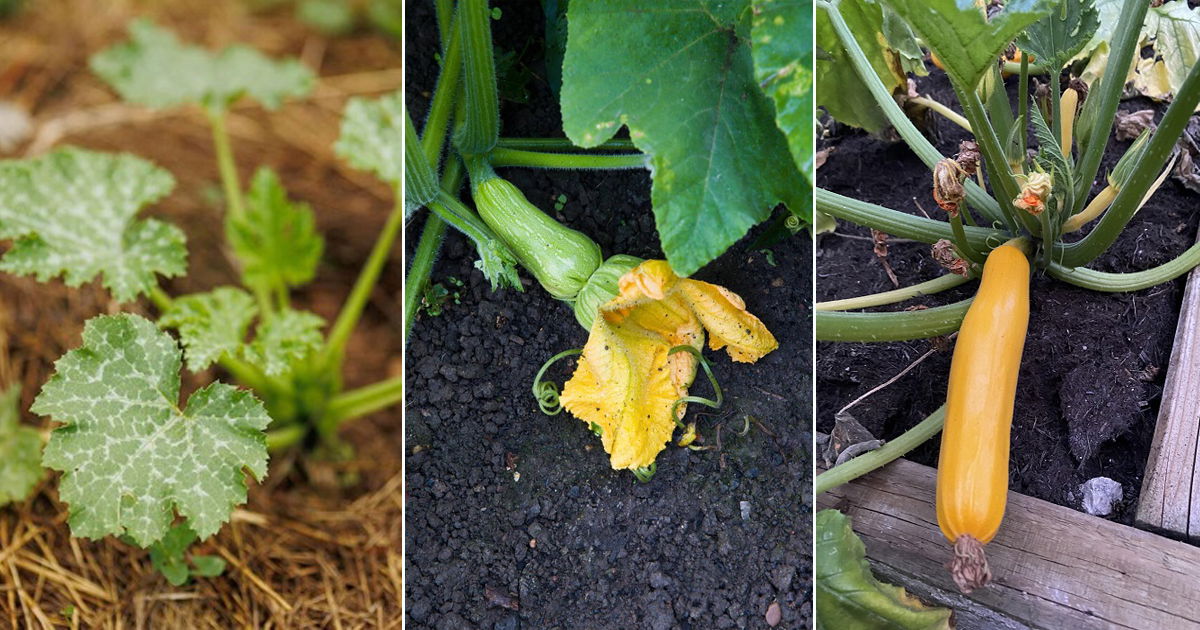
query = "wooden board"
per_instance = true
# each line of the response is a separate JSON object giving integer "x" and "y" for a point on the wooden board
{"x": 1052, "y": 567}
{"x": 1170, "y": 499}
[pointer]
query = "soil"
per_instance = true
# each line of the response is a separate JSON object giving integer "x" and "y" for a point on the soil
{"x": 514, "y": 518}
{"x": 1094, "y": 363}
{"x": 318, "y": 544}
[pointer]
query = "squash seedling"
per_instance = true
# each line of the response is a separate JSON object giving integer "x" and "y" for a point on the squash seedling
{"x": 717, "y": 171}
{"x": 136, "y": 461}
{"x": 1000, "y": 226}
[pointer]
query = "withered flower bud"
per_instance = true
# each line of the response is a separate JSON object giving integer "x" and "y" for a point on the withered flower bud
{"x": 948, "y": 189}
{"x": 968, "y": 156}
{"x": 945, "y": 254}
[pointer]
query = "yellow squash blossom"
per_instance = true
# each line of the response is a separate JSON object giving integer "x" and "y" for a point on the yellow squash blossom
{"x": 627, "y": 380}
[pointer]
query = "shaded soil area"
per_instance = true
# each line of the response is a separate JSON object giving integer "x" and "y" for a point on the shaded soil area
{"x": 514, "y": 518}
{"x": 1093, "y": 366}
{"x": 318, "y": 544}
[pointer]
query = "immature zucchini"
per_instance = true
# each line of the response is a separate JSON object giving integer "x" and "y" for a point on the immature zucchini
{"x": 560, "y": 258}
{"x": 972, "y": 482}
{"x": 603, "y": 286}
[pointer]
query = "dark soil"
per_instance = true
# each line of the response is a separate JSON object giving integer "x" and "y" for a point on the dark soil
{"x": 1093, "y": 365}
{"x": 514, "y": 518}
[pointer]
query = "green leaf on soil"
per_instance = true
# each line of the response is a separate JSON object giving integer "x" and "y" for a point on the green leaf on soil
{"x": 131, "y": 456}
{"x": 840, "y": 91}
{"x": 210, "y": 324}
{"x": 72, "y": 213}
{"x": 964, "y": 40}
{"x": 156, "y": 70}
{"x": 20, "y": 450}
{"x": 276, "y": 239}
{"x": 1056, "y": 38}
{"x": 284, "y": 340}
{"x": 783, "y": 62}
{"x": 848, "y": 595}
{"x": 682, "y": 80}
{"x": 372, "y": 137}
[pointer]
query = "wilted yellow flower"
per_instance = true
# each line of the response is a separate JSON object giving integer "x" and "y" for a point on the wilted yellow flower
{"x": 1035, "y": 188}
{"x": 626, "y": 381}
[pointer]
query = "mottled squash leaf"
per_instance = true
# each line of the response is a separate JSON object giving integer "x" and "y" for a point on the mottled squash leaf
{"x": 132, "y": 455}
{"x": 155, "y": 69}
{"x": 74, "y": 213}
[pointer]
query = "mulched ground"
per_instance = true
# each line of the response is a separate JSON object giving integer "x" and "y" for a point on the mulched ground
{"x": 308, "y": 550}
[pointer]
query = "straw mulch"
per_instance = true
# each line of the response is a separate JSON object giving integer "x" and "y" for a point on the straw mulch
{"x": 319, "y": 543}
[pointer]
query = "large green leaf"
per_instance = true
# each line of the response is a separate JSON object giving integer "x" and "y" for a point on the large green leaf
{"x": 680, "y": 76}
{"x": 132, "y": 455}
{"x": 210, "y": 324}
{"x": 1173, "y": 30}
{"x": 372, "y": 136}
{"x": 840, "y": 91}
{"x": 73, "y": 213}
{"x": 276, "y": 239}
{"x": 783, "y": 65}
{"x": 1056, "y": 38}
{"x": 156, "y": 70}
{"x": 20, "y": 450}
{"x": 849, "y": 597}
{"x": 965, "y": 41}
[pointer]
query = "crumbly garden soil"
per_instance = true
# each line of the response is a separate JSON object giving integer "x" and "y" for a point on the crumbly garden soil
{"x": 515, "y": 519}
{"x": 318, "y": 544}
{"x": 1093, "y": 366}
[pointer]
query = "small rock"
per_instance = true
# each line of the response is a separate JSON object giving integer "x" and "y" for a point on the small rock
{"x": 774, "y": 614}
{"x": 745, "y": 507}
{"x": 1100, "y": 494}
{"x": 15, "y": 126}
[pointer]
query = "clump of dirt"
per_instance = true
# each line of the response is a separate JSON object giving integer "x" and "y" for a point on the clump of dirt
{"x": 1093, "y": 364}
{"x": 515, "y": 519}
{"x": 302, "y": 553}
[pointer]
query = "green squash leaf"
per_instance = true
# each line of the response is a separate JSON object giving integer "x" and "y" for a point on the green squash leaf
{"x": 1056, "y": 38}
{"x": 372, "y": 137}
{"x": 965, "y": 41}
{"x": 156, "y": 70}
{"x": 210, "y": 324}
{"x": 840, "y": 91}
{"x": 169, "y": 556}
{"x": 850, "y": 598}
{"x": 20, "y": 450}
{"x": 130, "y": 454}
{"x": 72, "y": 213}
{"x": 276, "y": 239}
{"x": 681, "y": 78}
{"x": 783, "y": 62}
{"x": 1173, "y": 30}
{"x": 284, "y": 340}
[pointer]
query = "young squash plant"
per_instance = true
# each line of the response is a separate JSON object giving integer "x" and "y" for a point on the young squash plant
{"x": 1012, "y": 209}
{"x": 717, "y": 103}
{"x": 137, "y": 461}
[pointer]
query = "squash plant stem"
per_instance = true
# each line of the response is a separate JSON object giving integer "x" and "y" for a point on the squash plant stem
{"x": 563, "y": 144}
{"x": 929, "y": 287}
{"x": 365, "y": 400}
{"x": 501, "y": 156}
{"x": 885, "y": 454}
{"x": 352, "y": 310}
{"x": 891, "y": 325}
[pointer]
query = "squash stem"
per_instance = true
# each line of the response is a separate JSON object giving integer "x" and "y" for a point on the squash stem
{"x": 892, "y": 325}
{"x": 364, "y": 400}
{"x": 898, "y": 223}
{"x": 929, "y": 287}
{"x": 1121, "y": 282}
{"x": 945, "y": 111}
{"x": 501, "y": 156}
{"x": 885, "y": 454}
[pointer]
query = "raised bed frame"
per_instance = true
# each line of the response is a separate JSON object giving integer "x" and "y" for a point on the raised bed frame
{"x": 1054, "y": 567}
